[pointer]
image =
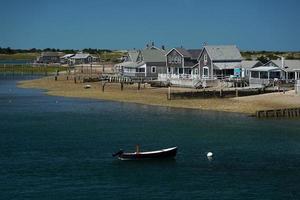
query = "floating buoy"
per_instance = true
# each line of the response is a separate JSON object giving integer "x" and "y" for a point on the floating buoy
{"x": 209, "y": 154}
{"x": 87, "y": 86}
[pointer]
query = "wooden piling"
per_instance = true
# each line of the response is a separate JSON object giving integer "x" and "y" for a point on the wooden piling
{"x": 169, "y": 93}
{"x": 122, "y": 85}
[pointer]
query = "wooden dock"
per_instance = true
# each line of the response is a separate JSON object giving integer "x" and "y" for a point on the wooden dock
{"x": 279, "y": 113}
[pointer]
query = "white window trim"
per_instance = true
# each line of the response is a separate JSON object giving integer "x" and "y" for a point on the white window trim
{"x": 153, "y": 67}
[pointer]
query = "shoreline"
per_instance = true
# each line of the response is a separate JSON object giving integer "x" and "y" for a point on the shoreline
{"x": 158, "y": 96}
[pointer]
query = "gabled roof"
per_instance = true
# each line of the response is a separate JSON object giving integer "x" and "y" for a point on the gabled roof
{"x": 289, "y": 65}
{"x": 194, "y": 53}
{"x": 153, "y": 55}
{"x": 81, "y": 56}
{"x": 67, "y": 56}
{"x": 248, "y": 64}
{"x": 130, "y": 64}
{"x": 133, "y": 55}
{"x": 52, "y": 54}
{"x": 265, "y": 69}
{"x": 223, "y": 52}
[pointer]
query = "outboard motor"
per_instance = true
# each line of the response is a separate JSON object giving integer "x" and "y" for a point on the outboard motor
{"x": 118, "y": 153}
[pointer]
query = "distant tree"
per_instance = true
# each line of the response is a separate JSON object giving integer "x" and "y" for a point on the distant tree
{"x": 263, "y": 59}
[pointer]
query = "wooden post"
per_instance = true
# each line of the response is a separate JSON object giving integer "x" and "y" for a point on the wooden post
{"x": 236, "y": 92}
{"x": 55, "y": 78}
{"x": 169, "y": 93}
{"x": 103, "y": 85}
{"x": 75, "y": 79}
{"x": 122, "y": 85}
{"x": 221, "y": 92}
{"x": 139, "y": 85}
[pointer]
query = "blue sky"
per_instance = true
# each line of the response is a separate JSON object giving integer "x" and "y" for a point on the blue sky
{"x": 125, "y": 24}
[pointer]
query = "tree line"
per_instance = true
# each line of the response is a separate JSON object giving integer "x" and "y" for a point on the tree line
{"x": 9, "y": 50}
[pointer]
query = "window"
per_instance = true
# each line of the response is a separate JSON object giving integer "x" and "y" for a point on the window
{"x": 205, "y": 72}
{"x": 196, "y": 71}
{"x": 169, "y": 70}
{"x": 140, "y": 70}
{"x": 153, "y": 69}
{"x": 205, "y": 58}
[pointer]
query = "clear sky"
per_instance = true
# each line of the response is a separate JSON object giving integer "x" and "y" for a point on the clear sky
{"x": 124, "y": 24}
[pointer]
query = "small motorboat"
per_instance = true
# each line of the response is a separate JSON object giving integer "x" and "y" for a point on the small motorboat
{"x": 159, "y": 154}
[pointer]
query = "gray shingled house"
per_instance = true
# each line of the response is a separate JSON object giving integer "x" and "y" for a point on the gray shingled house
{"x": 181, "y": 61}
{"x": 218, "y": 62}
{"x": 146, "y": 63}
{"x": 49, "y": 57}
{"x": 290, "y": 67}
{"x": 247, "y": 65}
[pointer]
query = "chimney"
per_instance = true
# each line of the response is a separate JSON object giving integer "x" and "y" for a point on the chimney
{"x": 282, "y": 62}
{"x": 163, "y": 47}
{"x": 152, "y": 44}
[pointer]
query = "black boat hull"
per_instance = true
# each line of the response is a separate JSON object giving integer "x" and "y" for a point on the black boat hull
{"x": 161, "y": 154}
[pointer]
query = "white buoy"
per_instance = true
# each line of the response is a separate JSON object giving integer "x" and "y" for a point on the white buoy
{"x": 209, "y": 154}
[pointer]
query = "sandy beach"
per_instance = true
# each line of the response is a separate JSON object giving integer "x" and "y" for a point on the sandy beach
{"x": 158, "y": 96}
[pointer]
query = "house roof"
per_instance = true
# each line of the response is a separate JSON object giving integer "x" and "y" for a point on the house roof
{"x": 290, "y": 65}
{"x": 265, "y": 69}
{"x": 81, "y": 55}
{"x": 50, "y": 53}
{"x": 67, "y": 56}
{"x": 153, "y": 55}
{"x": 248, "y": 64}
{"x": 183, "y": 52}
{"x": 227, "y": 65}
{"x": 130, "y": 64}
{"x": 133, "y": 55}
{"x": 223, "y": 52}
{"x": 194, "y": 53}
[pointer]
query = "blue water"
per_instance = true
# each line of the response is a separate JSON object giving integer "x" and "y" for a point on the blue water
{"x": 60, "y": 148}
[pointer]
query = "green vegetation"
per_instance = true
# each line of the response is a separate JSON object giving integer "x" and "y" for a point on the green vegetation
{"x": 19, "y": 56}
{"x": 265, "y": 56}
{"x": 106, "y": 55}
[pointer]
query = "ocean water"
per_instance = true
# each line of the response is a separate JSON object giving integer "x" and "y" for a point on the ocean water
{"x": 60, "y": 148}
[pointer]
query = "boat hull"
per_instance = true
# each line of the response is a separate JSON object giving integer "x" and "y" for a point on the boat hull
{"x": 161, "y": 154}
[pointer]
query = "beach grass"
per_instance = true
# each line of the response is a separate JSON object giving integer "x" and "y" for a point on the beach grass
{"x": 19, "y": 56}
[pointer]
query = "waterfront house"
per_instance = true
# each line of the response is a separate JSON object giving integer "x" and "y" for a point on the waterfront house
{"x": 83, "y": 58}
{"x": 218, "y": 62}
{"x": 290, "y": 67}
{"x": 66, "y": 58}
{"x": 179, "y": 64}
{"x": 265, "y": 75}
{"x": 49, "y": 57}
{"x": 146, "y": 63}
{"x": 247, "y": 65}
{"x": 181, "y": 61}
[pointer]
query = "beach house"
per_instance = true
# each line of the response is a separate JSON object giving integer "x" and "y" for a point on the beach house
{"x": 83, "y": 58}
{"x": 218, "y": 62}
{"x": 179, "y": 64}
{"x": 49, "y": 57}
{"x": 291, "y": 68}
{"x": 247, "y": 65}
{"x": 146, "y": 63}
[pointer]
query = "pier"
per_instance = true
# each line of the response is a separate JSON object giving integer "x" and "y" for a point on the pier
{"x": 279, "y": 113}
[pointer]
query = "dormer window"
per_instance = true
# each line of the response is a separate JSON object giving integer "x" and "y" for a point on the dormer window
{"x": 205, "y": 57}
